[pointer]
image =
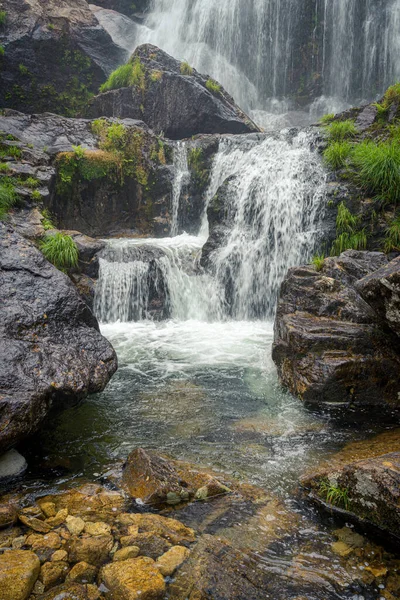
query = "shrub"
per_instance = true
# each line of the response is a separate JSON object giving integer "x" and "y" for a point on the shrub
{"x": 8, "y": 197}
{"x": 341, "y": 130}
{"x": 318, "y": 261}
{"x": 61, "y": 251}
{"x": 392, "y": 240}
{"x": 378, "y": 169}
{"x": 337, "y": 153}
{"x": 126, "y": 76}
{"x": 3, "y": 17}
{"x": 186, "y": 69}
{"x": 213, "y": 87}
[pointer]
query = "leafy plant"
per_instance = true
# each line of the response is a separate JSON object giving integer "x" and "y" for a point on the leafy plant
{"x": 213, "y": 87}
{"x": 337, "y": 153}
{"x": 378, "y": 168}
{"x": 12, "y": 151}
{"x": 23, "y": 70}
{"x": 345, "y": 220}
{"x": 186, "y": 69}
{"x": 341, "y": 130}
{"x": 334, "y": 494}
{"x": 349, "y": 236}
{"x": 8, "y": 197}
{"x": 318, "y": 261}
{"x": 4, "y": 167}
{"x": 392, "y": 240}
{"x": 61, "y": 250}
{"x": 79, "y": 152}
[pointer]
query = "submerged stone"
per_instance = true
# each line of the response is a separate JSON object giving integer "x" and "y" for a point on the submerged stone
{"x": 19, "y": 570}
{"x": 132, "y": 579}
{"x": 12, "y": 464}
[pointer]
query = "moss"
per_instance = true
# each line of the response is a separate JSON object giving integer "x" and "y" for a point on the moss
{"x": 93, "y": 165}
{"x": 213, "y": 87}
{"x": 198, "y": 167}
{"x": 186, "y": 69}
{"x": 155, "y": 76}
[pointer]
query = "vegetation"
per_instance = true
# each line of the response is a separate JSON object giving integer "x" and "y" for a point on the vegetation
{"x": 198, "y": 167}
{"x": 8, "y": 197}
{"x": 10, "y": 151}
{"x": 2, "y": 51}
{"x": 349, "y": 234}
{"x": 61, "y": 251}
{"x": 377, "y": 169}
{"x": 341, "y": 130}
{"x": 186, "y": 69}
{"x": 131, "y": 74}
{"x": 213, "y": 87}
{"x": 47, "y": 221}
{"x": 318, "y": 261}
{"x": 334, "y": 494}
{"x": 32, "y": 183}
{"x": 155, "y": 76}
{"x": 337, "y": 154}
{"x": 326, "y": 119}
{"x": 3, "y": 17}
{"x": 392, "y": 240}
{"x": 36, "y": 195}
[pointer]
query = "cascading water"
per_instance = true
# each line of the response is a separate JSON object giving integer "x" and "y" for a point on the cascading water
{"x": 181, "y": 175}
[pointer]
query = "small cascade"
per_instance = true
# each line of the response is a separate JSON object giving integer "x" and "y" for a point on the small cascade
{"x": 181, "y": 176}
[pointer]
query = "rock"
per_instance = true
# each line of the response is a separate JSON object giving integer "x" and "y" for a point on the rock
{"x": 133, "y": 578}
{"x": 49, "y": 509}
{"x": 149, "y": 544}
{"x": 127, "y": 552}
{"x": 28, "y": 223}
{"x": 53, "y": 573}
{"x": 93, "y": 550}
{"x": 52, "y": 353}
{"x": 44, "y": 545}
{"x": 90, "y": 501}
{"x": 97, "y": 528}
{"x": 88, "y": 249}
{"x": 19, "y": 570}
{"x": 64, "y": 52}
{"x": 154, "y": 101}
{"x": 170, "y": 529}
{"x": 171, "y": 560}
{"x": 59, "y": 518}
{"x": 372, "y": 488}
{"x": 69, "y": 591}
{"x": 59, "y": 555}
{"x": 381, "y": 289}
{"x": 12, "y": 464}
{"x": 329, "y": 345}
{"x": 82, "y": 572}
{"x": 75, "y": 525}
{"x": 35, "y": 524}
{"x": 366, "y": 118}
{"x": 8, "y": 515}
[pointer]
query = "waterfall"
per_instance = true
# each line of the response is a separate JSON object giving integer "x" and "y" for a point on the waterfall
{"x": 274, "y": 187}
{"x": 181, "y": 175}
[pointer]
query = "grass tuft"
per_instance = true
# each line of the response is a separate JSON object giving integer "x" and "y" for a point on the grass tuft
{"x": 213, "y": 87}
{"x": 377, "y": 169}
{"x": 392, "y": 240}
{"x": 327, "y": 119}
{"x": 341, "y": 130}
{"x": 61, "y": 251}
{"x": 337, "y": 153}
{"x": 186, "y": 69}
{"x": 334, "y": 494}
{"x": 131, "y": 74}
{"x": 318, "y": 261}
{"x": 8, "y": 197}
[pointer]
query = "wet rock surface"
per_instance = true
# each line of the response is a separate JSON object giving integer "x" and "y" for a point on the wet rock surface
{"x": 330, "y": 347}
{"x": 179, "y": 105}
{"x": 52, "y": 352}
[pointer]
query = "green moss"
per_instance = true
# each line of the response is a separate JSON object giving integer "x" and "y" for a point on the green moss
{"x": 185, "y": 68}
{"x": 23, "y": 69}
{"x": 198, "y": 167}
{"x": 213, "y": 87}
{"x": 61, "y": 251}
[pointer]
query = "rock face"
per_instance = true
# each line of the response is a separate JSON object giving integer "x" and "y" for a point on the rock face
{"x": 167, "y": 100}
{"x": 330, "y": 346}
{"x": 370, "y": 491}
{"x": 52, "y": 353}
{"x": 55, "y": 56}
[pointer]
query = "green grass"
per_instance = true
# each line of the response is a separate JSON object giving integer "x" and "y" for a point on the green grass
{"x": 32, "y": 183}
{"x": 131, "y": 74}
{"x": 8, "y": 197}
{"x": 36, "y": 195}
{"x": 392, "y": 240}
{"x": 2, "y": 51}
{"x": 213, "y": 87}
{"x": 186, "y": 69}
{"x": 345, "y": 220}
{"x": 61, "y": 251}
{"x": 318, "y": 261}
{"x": 341, "y": 130}
{"x": 4, "y": 167}
{"x": 12, "y": 151}
{"x": 337, "y": 153}
{"x": 334, "y": 494}
{"x": 349, "y": 236}
{"x": 392, "y": 94}
{"x": 3, "y": 17}
{"x": 47, "y": 220}
{"x": 327, "y": 119}
{"x": 377, "y": 169}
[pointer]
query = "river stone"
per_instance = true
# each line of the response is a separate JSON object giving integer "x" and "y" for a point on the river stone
{"x": 329, "y": 345}
{"x": 70, "y": 591}
{"x": 133, "y": 578}
{"x": 12, "y": 464}
{"x": 381, "y": 289}
{"x": 8, "y": 515}
{"x": 373, "y": 489}
{"x": 198, "y": 110}
{"x": 171, "y": 560}
{"x": 99, "y": 528}
{"x": 82, "y": 572}
{"x": 75, "y": 525}
{"x": 149, "y": 544}
{"x": 35, "y": 524}
{"x": 93, "y": 550}
{"x": 19, "y": 570}
{"x": 170, "y": 529}
{"x": 51, "y": 352}
{"x": 127, "y": 552}
{"x": 53, "y": 573}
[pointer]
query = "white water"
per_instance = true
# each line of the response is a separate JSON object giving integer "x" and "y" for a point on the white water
{"x": 181, "y": 175}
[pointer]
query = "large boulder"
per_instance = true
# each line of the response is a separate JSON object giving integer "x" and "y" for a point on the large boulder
{"x": 171, "y": 101}
{"x": 52, "y": 353}
{"x": 19, "y": 570}
{"x": 55, "y": 55}
{"x": 330, "y": 346}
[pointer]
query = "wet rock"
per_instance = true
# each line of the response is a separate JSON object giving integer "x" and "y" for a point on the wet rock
{"x": 381, "y": 289}
{"x": 93, "y": 550}
{"x": 127, "y": 552}
{"x": 59, "y": 555}
{"x": 97, "y": 528}
{"x": 171, "y": 560}
{"x": 75, "y": 525}
{"x": 52, "y": 352}
{"x": 8, "y": 515}
{"x": 133, "y": 578}
{"x": 366, "y": 118}
{"x": 28, "y": 223}
{"x": 372, "y": 491}
{"x": 329, "y": 346}
{"x": 82, "y": 572}
{"x": 35, "y": 524}
{"x": 69, "y": 591}
{"x": 149, "y": 544}
{"x": 53, "y": 573}
{"x": 19, "y": 570}
{"x": 12, "y": 464}
{"x": 59, "y": 518}
{"x": 44, "y": 545}
{"x": 170, "y": 529}
{"x": 48, "y": 509}
{"x": 198, "y": 111}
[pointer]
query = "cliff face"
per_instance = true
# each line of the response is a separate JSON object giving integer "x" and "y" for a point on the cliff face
{"x": 54, "y": 56}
